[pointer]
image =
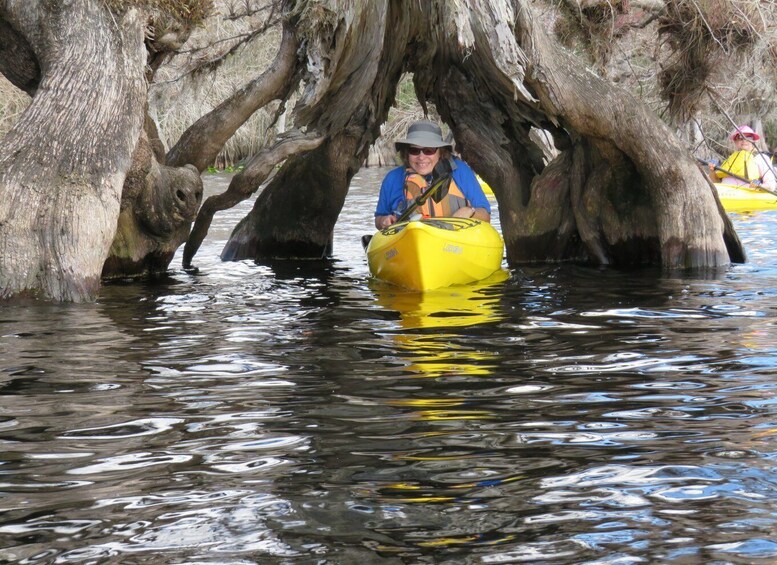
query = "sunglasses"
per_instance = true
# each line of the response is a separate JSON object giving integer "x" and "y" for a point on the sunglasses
{"x": 424, "y": 150}
{"x": 741, "y": 138}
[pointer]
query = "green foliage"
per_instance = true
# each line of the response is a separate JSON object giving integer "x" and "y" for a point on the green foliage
{"x": 406, "y": 97}
{"x": 227, "y": 169}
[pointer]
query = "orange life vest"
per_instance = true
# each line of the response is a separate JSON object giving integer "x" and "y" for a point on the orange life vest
{"x": 442, "y": 204}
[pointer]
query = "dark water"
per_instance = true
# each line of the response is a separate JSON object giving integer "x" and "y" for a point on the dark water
{"x": 299, "y": 413}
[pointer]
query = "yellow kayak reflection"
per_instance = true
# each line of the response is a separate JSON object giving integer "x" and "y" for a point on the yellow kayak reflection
{"x": 438, "y": 354}
{"x": 427, "y": 339}
{"x": 455, "y": 306}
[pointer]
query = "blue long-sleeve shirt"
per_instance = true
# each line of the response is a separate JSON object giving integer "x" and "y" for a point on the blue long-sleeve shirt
{"x": 391, "y": 199}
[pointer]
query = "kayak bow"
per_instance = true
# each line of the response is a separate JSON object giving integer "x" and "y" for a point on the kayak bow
{"x": 738, "y": 198}
{"x": 435, "y": 252}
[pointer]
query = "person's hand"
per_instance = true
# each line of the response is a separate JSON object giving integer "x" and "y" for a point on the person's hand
{"x": 386, "y": 221}
{"x": 711, "y": 166}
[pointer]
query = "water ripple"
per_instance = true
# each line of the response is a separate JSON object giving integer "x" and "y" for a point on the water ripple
{"x": 134, "y": 428}
{"x": 627, "y": 475}
{"x": 129, "y": 462}
{"x": 300, "y": 412}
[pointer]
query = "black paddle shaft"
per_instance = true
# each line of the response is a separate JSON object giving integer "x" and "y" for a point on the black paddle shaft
{"x": 735, "y": 176}
{"x": 422, "y": 198}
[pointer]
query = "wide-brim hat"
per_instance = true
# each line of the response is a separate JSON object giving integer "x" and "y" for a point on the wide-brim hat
{"x": 423, "y": 134}
{"x": 744, "y": 131}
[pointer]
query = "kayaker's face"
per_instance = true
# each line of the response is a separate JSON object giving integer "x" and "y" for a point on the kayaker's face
{"x": 743, "y": 144}
{"x": 422, "y": 163}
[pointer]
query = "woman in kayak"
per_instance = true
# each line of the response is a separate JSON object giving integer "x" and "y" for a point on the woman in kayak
{"x": 427, "y": 159}
{"x": 746, "y": 162}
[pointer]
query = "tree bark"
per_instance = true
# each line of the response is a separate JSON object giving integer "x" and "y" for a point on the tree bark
{"x": 293, "y": 217}
{"x": 62, "y": 166}
{"x": 201, "y": 143}
{"x": 158, "y": 205}
{"x": 350, "y": 76}
{"x": 623, "y": 192}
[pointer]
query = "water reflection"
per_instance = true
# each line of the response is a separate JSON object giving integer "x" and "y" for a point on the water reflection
{"x": 298, "y": 412}
{"x": 456, "y": 306}
{"x": 439, "y": 353}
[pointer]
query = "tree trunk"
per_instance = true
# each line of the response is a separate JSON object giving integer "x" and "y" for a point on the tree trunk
{"x": 621, "y": 192}
{"x": 653, "y": 199}
{"x": 311, "y": 197}
{"x": 62, "y": 166}
{"x": 159, "y": 200}
{"x": 351, "y": 76}
{"x": 158, "y": 205}
{"x": 202, "y": 142}
{"x": 624, "y": 191}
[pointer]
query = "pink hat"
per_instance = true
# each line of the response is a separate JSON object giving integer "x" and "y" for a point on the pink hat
{"x": 744, "y": 131}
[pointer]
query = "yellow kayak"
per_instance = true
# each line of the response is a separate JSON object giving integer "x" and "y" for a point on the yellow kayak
{"x": 435, "y": 252}
{"x": 736, "y": 198}
{"x": 485, "y": 186}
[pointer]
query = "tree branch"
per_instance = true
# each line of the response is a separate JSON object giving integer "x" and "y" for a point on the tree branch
{"x": 200, "y": 144}
{"x": 244, "y": 184}
{"x": 18, "y": 62}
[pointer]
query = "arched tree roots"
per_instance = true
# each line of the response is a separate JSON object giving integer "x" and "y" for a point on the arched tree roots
{"x": 619, "y": 189}
{"x": 244, "y": 184}
{"x": 621, "y": 192}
